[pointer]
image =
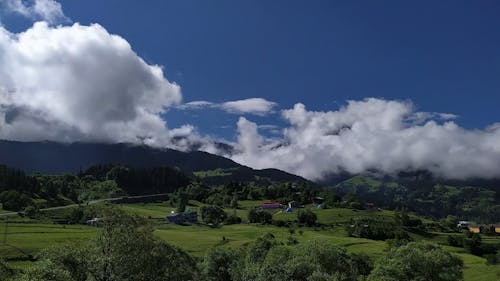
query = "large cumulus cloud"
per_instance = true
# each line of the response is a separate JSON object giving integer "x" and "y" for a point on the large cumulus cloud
{"x": 81, "y": 83}
{"x": 387, "y": 136}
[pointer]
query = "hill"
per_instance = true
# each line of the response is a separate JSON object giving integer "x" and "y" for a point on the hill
{"x": 60, "y": 158}
{"x": 429, "y": 197}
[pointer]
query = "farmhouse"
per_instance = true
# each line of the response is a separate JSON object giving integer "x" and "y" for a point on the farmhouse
{"x": 94, "y": 222}
{"x": 187, "y": 217}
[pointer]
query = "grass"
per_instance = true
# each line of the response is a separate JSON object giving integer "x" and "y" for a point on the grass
{"x": 28, "y": 237}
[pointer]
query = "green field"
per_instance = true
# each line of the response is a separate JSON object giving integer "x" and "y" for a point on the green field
{"x": 27, "y": 237}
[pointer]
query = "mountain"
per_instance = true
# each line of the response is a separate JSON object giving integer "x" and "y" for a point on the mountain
{"x": 426, "y": 195}
{"x": 60, "y": 158}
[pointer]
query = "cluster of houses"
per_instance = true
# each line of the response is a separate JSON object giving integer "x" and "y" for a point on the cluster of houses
{"x": 480, "y": 228}
{"x": 318, "y": 202}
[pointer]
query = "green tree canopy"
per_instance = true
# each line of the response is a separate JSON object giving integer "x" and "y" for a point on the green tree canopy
{"x": 418, "y": 261}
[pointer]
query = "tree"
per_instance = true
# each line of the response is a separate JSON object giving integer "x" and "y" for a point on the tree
{"x": 125, "y": 250}
{"x": 46, "y": 270}
{"x": 14, "y": 201}
{"x": 212, "y": 214}
{"x": 418, "y": 261}
{"x": 259, "y": 216}
{"x": 307, "y": 217}
{"x": 31, "y": 211}
{"x": 331, "y": 198}
{"x": 234, "y": 202}
{"x": 218, "y": 263}
{"x": 5, "y": 271}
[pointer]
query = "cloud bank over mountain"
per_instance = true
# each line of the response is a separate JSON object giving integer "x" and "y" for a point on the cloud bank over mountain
{"x": 388, "y": 136}
{"x": 81, "y": 83}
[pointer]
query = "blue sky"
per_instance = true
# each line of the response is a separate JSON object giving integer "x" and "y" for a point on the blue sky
{"x": 442, "y": 55}
{"x": 309, "y": 87}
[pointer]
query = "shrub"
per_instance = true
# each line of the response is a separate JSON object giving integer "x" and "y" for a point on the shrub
{"x": 307, "y": 217}
{"x": 259, "y": 216}
{"x": 213, "y": 214}
{"x": 232, "y": 219}
{"x": 422, "y": 261}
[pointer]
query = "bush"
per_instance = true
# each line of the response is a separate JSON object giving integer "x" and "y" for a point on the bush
{"x": 491, "y": 259}
{"x": 218, "y": 263}
{"x": 5, "y": 271}
{"x": 30, "y": 211}
{"x": 14, "y": 201}
{"x": 233, "y": 219}
{"x": 307, "y": 217}
{"x": 422, "y": 261}
{"x": 212, "y": 214}
{"x": 371, "y": 229}
{"x": 260, "y": 216}
{"x": 280, "y": 223}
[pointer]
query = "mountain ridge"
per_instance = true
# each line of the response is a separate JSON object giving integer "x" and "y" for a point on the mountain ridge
{"x": 58, "y": 158}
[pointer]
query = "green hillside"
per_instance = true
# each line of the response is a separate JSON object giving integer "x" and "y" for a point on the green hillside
{"x": 427, "y": 198}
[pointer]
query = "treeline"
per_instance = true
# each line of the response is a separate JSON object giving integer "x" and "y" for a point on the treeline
{"x": 229, "y": 194}
{"x": 126, "y": 249}
{"x": 426, "y": 197}
{"x": 18, "y": 190}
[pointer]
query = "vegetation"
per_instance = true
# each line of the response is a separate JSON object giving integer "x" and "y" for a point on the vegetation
{"x": 135, "y": 240}
{"x": 418, "y": 261}
{"x": 427, "y": 196}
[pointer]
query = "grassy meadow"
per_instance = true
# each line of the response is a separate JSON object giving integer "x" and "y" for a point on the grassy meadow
{"x": 26, "y": 237}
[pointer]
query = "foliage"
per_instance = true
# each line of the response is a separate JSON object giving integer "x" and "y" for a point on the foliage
{"x": 314, "y": 260}
{"x": 425, "y": 195}
{"x": 100, "y": 189}
{"x": 14, "y": 201}
{"x": 211, "y": 214}
{"x": 5, "y": 271}
{"x": 371, "y": 229}
{"x": 418, "y": 261}
{"x": 307, "y": 217}
{"x": 259, "y": 216}
{"x": 232, "y": 219}
{"x": 124, "y": 250}
{"x": 46, "y": 270}
{"x": 218, "y": 263}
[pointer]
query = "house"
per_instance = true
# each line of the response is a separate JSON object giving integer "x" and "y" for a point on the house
{"x": 94, "y": 222}
{"x": 271, "y": 205}
{"x": 370, "y": 207}
{"x": 295, "y": 204}
{"x": 318, "y": 201}
{"x": 463, "y": 224}
{"x": 187, "y": 217}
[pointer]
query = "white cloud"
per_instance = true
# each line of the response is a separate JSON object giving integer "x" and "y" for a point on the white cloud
{"x": 46, "y": 10}
{"x": 372, "y": 134}
{"x": 258, "y": 106}
{"x": 196, "y": 105}
{"x": 81, "y": 83}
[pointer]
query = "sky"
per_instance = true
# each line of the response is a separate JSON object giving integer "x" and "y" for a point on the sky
{"x": 310, "y": 87}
